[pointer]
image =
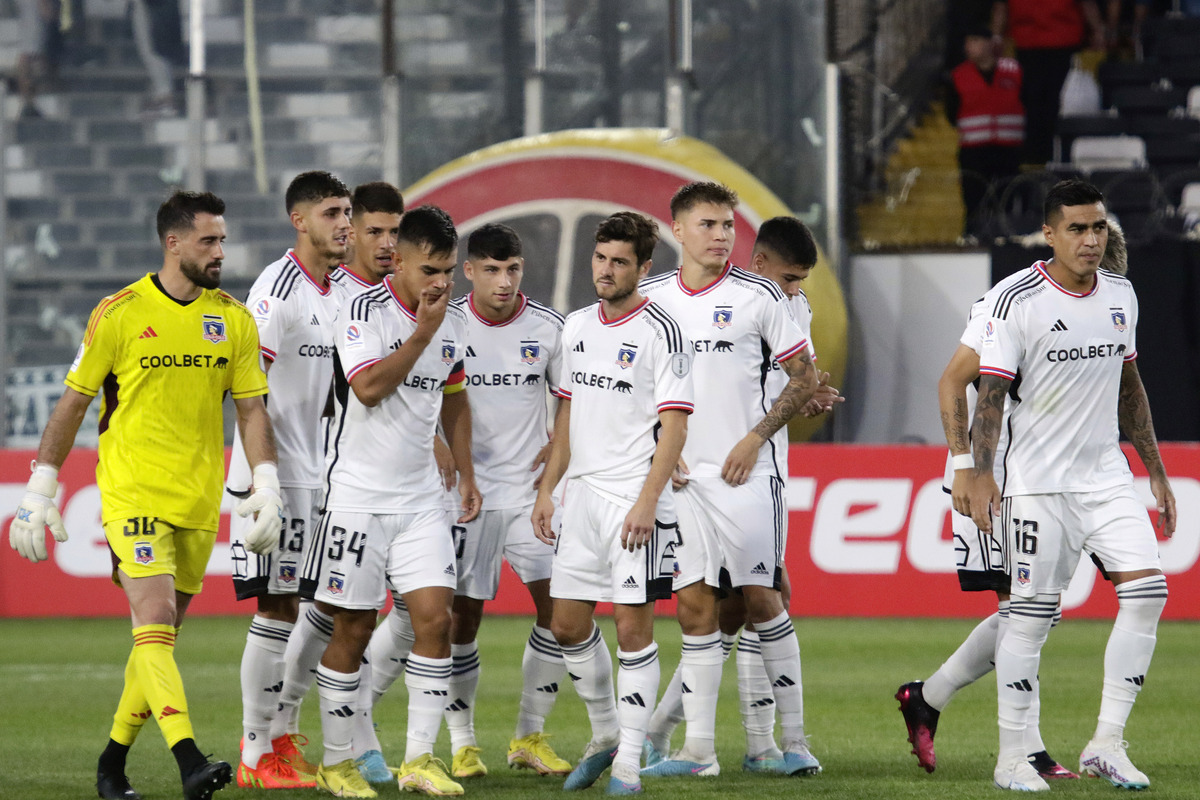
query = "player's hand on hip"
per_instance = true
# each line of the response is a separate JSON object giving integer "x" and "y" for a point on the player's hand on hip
{"x": 543, "y": 519}
{"x": 639, "y": 525}
{"x": 37, "y": 511}
{"x": 983, "y": 500}
{"x": 1165, "y": 500}
{"x": 267, "y": 507}
{"x": 472, "y": 500}
{"x": 741, "y": 459}
{"x": 679, "y": 477}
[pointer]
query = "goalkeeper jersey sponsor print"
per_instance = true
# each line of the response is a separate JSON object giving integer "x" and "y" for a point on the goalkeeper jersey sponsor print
{"x": 1064, "y": 354}
{"x": 740, "y": 324}
{"x": 381, "y": 458}
{"x": 164, "y": 367}
{"x": 294, "y": 314}
{"x": 510, "y": 366}
{"x": 619, "y": 374}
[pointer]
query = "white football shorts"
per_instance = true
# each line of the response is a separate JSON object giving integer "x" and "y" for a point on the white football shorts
{"x": 503, "y": 532}
{"x": 733, "y": 536}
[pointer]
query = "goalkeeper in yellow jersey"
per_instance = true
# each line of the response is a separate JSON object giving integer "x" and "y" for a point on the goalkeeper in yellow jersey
{"x": 163, "y": 352}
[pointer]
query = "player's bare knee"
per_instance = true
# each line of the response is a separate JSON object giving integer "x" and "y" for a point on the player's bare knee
{"x": 732, "y": 614}
{"x": 697, "y": 610}
{"x": 762, "y": 603}
{"x": 465, "y": 620}
{"x": 279, "y": 607}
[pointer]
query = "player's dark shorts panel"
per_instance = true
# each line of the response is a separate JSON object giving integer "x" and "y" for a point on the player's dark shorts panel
{"x": 991, "y": 580}
{"x": 727, "y": 588}
{"x": 245, "y": 588}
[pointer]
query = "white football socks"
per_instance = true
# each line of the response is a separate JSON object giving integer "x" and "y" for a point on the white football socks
{"x": 460, "y": 705}
{"x": 262, "y": 672}
{"x": 781, "y": 658}
{"x": 970, "y": 662}
{"x": 1130, "y": 648}
{"x": 389, "y": 648}
{"x": 338, "y": 693}
{"x": 542, "y": 668}
{"x": 700, "y": 683}
{"x": 590, "y": 668}
{"x": 637, "y": 686}
{"x": 1017, "y": 660}
{"x": 305, "y": 647}
{"x": 428, "y": 683}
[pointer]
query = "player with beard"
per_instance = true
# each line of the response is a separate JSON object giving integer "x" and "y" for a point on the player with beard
{"x": 294, "y": 306}
{"x": 164, "y": 351}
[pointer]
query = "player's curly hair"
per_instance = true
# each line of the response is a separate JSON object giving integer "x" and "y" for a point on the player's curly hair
{"x": 313, "y": 187}
{"x": 788, "y": 238}
{"x": 178, "y": 212}
{"x": 495, "y": 241}
{"x": 693, "y": 194}
{"x": 629, "y": 226}
{"x": 376, "y": 197}
{"x": 429, "y": 225}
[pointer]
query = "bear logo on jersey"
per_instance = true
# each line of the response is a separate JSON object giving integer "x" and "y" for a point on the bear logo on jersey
{"x": 1118, "y": 318}
{"x": 213, "y": 328}
{"x": 722, "y": 317}
{"x": 530, "y": 352}
{"x": 625, "y": 356}
{"x": 447, "y": 353}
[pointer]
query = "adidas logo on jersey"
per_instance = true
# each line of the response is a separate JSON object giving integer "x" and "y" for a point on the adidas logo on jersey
{"x": 629, "y": 583}
{"x": 1022, "y": 685}
{"x": 783, "y": 682}
{"x": 449, "y": 570}
{"x": 1137, "y": 680}
{"x": 148, "y": 333}
{"x": 1059, "y": 325}
{"x": 315, "y": 321}
{"x": 634, "y": 699}
{"x": 577, "y": 348}
{"x": 759, "y": 569}
{"x": 470, "y": 352}
{"x": 343, "y": 712}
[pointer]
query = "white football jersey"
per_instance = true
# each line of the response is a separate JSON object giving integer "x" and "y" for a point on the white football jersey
{"x": 295, "y": 316}
{"x": 381, "y": 458}
{"x": 739, "y": 324}
{"x": 509, "y": 366}
{"x": 778, "y": 379}
{"x": 1064, "y": 354}
{"x": 619, "y": 374}
{"x": 973, "y": 338}
{"x": 346, "y": 284}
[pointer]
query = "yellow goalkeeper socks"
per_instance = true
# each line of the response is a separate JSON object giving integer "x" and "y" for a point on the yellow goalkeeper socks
{"x": 132, "y": 708}
{"x": 158, "y": 677}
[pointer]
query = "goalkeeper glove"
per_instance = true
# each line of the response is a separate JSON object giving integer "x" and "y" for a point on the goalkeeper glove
{"x": 27, "y": 534}
{"x": 263, "y": 536}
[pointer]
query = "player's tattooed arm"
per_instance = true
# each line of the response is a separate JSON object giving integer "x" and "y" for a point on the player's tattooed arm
{"x": 801, "y": 385}
{"x": 962, "y": 369}
{"x": 984, "y": 495}
{"x": 1133, "y": 414}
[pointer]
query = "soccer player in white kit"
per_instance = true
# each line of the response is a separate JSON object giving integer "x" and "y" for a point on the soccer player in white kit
{"x": 618, "y": 434}
{"x": 294, "y": 307}
{"x": 513, "y": 357}
{"x": 398, "y": 373}
{"x": 982, "y": 561}
{"x": 784, "y": 252}
{"x": 732, "y": 506}
{"x": 376, "y": 208}
{"x": 1060, "y": 340}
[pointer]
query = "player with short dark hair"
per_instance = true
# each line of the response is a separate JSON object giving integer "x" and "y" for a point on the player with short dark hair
{"x": 620, "y": 428}
{"x": 293, "y": 305}
{"x": 164, "y": 349}
{"x": 730, "y": 490}
{"x": 1069, "y": 330}
{"x": 398, "y": 374}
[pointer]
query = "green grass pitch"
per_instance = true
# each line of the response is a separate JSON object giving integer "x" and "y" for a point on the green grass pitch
{"x": 61, "y": 679}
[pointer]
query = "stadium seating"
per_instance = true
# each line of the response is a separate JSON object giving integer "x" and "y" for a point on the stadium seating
{"x": 1091, "y": 153}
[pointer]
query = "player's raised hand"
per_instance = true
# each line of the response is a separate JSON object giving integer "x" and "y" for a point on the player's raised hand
{"x": 741, "y": 459}
{"x": 267, "y": 507}
{"x": 983, "y": 498}
{"x": 37, "y": 511}
{"x": 1165, "y": 499}
{"x": 639, "y": 524}
{"x": 472, "y": 500}
{"x": 432, "y": 308}
{"x": 543, "y": 518}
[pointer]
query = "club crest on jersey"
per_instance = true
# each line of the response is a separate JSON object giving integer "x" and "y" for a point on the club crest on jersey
{"x": 353, "y": 336}
{"x": 722, "y": 317}
{"x": 287, "y": 573}
{"x": 625, "y": 356}
{"x": 1118, "y": 318}
{"x": 1023, "y": 574}
{"x": 447, "y": 353}
{"x": 337, "y": 584}
{"x": 213, "y": 327}
{"x": 143, "y": 553}
{"x": 530, "y": 352}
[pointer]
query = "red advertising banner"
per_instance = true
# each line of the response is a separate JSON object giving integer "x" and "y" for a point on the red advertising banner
{"x": 869, "y": 535}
